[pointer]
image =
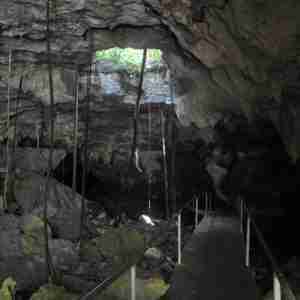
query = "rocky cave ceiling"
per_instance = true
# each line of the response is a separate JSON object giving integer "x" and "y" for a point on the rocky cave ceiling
{"x": 239, "y": 56}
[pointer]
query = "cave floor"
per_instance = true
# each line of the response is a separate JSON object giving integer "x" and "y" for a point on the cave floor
{"x": 213, "y": 264}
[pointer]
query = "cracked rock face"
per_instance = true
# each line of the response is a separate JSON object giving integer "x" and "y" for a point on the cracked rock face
{"x": 226, "y": 55}
{"x": 249, "y": 52}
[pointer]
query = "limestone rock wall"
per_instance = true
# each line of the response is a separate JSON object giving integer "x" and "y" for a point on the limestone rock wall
{"x": 113, "y": 96}
{"x": 249, "y": 52}
{"x": 227, "y": 55}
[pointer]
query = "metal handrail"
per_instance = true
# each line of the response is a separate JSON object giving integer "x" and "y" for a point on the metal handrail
{"x": 100, "y": 287}
{"x": 186, "y": 205}
{"x": 244, "y": 211}
{"x": 278, "y": 274}
{"x": 207, "y": 207}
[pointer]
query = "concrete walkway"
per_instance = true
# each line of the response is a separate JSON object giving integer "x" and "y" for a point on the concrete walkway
{"x": 213, "y": 264}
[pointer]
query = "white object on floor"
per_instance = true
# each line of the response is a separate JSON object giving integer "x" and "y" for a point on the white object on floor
{"x": 146, "y": 219}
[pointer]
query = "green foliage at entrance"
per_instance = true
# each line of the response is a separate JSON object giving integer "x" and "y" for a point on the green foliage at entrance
{"x": 129, "y": 58}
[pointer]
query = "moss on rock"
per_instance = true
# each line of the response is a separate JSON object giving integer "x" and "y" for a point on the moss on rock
{"x": 90, "y": 251}
{"x": 103, "y": 152}
{"x": 52, "y": 292}
{"x": 122, "y": 244}
{"x": 7, "y": 289}
{"x": 155, "y": 287}
{"x": 33, "y": 238}
{"x": 150, "y": 289}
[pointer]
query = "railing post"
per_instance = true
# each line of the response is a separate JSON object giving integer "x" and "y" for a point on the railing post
{"x": 276, "y": 287}
{"x": 179, "y": 238}
{"x": 133, "y": 282}
{"x": 206, "y": 203}
{"x": 242, "y": 214}
{"x": 248, "y": 234}
{"x": 196, "y": 211}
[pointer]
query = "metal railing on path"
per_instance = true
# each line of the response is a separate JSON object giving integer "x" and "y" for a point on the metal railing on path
{"x": 279, "y": 279}
{"x": 246, "y": 218}
{"x": 100, "y": 287}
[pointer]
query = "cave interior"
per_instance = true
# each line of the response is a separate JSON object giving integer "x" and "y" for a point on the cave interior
{"x": 90, "y": 144}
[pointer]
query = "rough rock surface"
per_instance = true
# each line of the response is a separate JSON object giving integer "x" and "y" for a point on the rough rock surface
{"x": 240, "y": 56}
{"x": 112, "y": 106}
{"x": 236, "y": 56}
{"x": 146, "y": 289}
{"x": 22, "y": 251}
{"x": 52, "y": 292}
{"x": 32, "y": 159}
{"x": 7, "y": 289}
{"x": 63, "y": 205}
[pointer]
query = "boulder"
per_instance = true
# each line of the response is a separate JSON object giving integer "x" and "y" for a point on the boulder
{"x": 154, "y": 258}
{"x": 66, "y": 224}
{"x": 149, "y": 289}
{"x": 29, "y": 273}
{"x": 33, "y": 159}
{"x": 154, "y": 253}
{"x": 121, "y": 245}
{"x": 146, "y": 289}
{"x": 32, "y": 239}
{"x": 22, "y": 251}
{"x": 7, "y": 289}
{"x": 52, "y": 292}
{"x": 36, "y": 160}
{"x": 63, "y": 206}
{"x": 112, "y": 250}
{"x": 64, "y": 254}
{"x": 9, "y": 237}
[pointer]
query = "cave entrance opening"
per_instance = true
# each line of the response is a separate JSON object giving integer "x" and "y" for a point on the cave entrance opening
{"x": 115, "y": 75}
{"x": 119, "y": 73}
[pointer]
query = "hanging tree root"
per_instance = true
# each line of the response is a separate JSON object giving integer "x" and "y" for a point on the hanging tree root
{"x": 52, "y": 276}
{"x": 86, "y": 138}
{"x": 8, "y": 170}
{"x": 134, "y": 155}
{"x": 75, "y": 134}
{"x": 15, "y": 139}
